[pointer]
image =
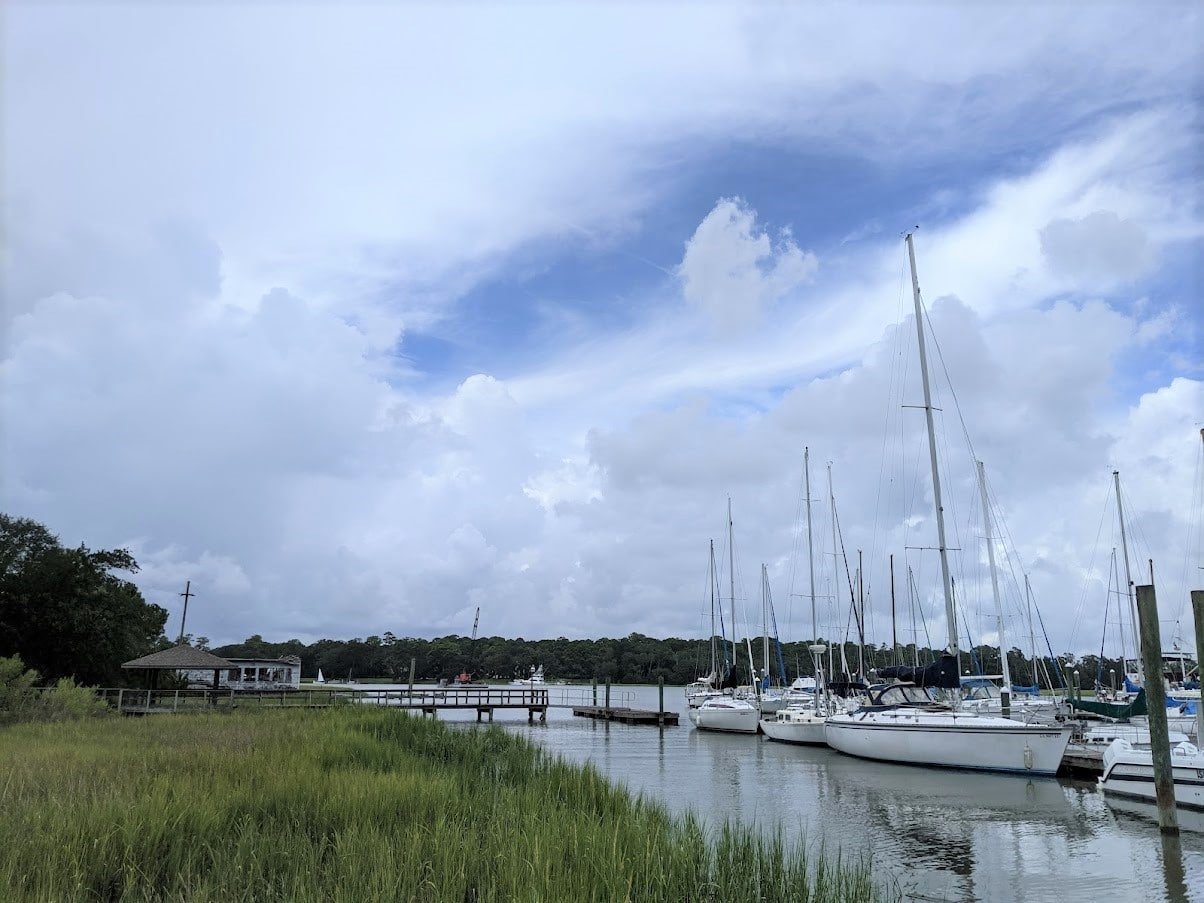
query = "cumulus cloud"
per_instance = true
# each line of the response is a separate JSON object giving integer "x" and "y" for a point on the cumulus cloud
{"x": 226, "y": 398}
{"x": 732, "y": 270}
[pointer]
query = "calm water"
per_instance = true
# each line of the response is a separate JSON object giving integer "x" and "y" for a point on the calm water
{"x": 935, "y": 835}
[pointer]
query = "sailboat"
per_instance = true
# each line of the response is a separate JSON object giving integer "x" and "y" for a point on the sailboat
{"x": 802, "y": 723}
{"x": 906, "y": 726}
{"x": 320, "y": 679}
{"x": 699, "y": 691}
{"x": 723, "y": 712}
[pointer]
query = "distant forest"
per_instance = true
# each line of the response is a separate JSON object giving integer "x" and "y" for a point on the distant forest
{"x": 632, "y": 659}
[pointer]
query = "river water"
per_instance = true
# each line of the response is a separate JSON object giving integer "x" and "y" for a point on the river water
{"x": 930, "y": 834}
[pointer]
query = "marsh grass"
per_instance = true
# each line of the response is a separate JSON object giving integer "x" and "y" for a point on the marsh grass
{"x": 357, "y": 805}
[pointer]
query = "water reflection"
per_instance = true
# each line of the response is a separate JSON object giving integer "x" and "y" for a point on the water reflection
{"x": 935, "y": 835}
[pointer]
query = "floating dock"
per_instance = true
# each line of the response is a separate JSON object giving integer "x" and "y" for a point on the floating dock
{"x": 625, "y": 715}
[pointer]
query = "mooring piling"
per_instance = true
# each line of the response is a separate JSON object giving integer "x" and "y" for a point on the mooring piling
{"x": 1155, "y": 694}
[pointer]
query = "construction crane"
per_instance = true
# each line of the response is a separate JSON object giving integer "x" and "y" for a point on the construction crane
{"x": 475, "y": 621}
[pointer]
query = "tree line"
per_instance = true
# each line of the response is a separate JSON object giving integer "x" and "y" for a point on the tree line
{"x": 635, "y": 658}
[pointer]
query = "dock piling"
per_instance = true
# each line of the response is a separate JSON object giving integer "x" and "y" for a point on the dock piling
{"x": 595, "y": 692}
{"x": 608, "y": 693}
{"x": 660, "y": 710}
{"x": 1155, "y": 693}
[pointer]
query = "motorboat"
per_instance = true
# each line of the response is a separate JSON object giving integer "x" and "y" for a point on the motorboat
{"x": 796, "y": 724}
{"x": 728, "y": 714}
{"x": 1129, "y": 773}
{"x": 535, "y": 679}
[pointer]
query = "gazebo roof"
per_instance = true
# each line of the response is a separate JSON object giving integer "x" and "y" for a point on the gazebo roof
{"x": 180, "y": 658}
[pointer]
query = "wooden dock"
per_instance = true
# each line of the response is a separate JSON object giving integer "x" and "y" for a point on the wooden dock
{"x": 1083, "y": 760}
{"x": 625, "y": 715}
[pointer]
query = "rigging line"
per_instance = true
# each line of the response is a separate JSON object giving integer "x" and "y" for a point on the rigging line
{"x": 890, "y": 408}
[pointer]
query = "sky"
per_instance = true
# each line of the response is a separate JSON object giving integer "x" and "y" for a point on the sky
{"x": 360, "y": 318}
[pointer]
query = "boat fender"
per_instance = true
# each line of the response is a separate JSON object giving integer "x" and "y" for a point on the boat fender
{"x": 1028, "y": 757}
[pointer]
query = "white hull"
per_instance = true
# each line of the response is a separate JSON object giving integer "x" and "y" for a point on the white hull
{"x": 729, "y": 716}
{"x": 1129, "y": 773}
{"x": 949, "y": 740}
{"x": 806, "y": 728}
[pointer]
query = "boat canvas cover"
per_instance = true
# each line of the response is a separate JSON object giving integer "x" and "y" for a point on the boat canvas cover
{"x": 941, "y": 674}
{"x": 1112, "y": 710}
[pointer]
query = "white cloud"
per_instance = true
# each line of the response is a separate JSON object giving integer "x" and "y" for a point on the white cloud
{"x": 732, "y": 270}
{"x": 225, "y": 396}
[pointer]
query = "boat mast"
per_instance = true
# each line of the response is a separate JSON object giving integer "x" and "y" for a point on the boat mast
{"x": 835, "y": 574}
{"x": 714, "y": 649}
{"x": 894, "y": 627}
{"x": 950, "y": 613}
{"x": 1032, "y": 636}
{"x": 810, "y": 545}
{"x": 911, "y": 604}
{"x": 731, "y": 576}
{"x": 1124, "y": 548}
{"x": 1005, "y": 694}
{"x": 765, "y": 617}
{"x": 860, "y": 619}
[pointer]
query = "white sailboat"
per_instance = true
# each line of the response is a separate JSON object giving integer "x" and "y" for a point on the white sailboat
{"x": 728, "y": 713}
{"x": 917, "y": 732}
{"x": 802, "y": 722}
{"x": 320, "y": 679}
{"x": 708, "y": 687}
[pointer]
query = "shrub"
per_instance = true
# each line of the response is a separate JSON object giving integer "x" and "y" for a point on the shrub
{"x": 22, "y": 700}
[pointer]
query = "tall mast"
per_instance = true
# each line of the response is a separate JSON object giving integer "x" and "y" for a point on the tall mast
{"x": 765, "y": 617}
{"x": 835, "y": 575}
{"x": 1032, "y": 636}
{"x": 911, "y": 604}
{"x": 950, "y": 612}
{"x": 1120, "y": 611}
{"x": 1006, "y": 692}
{"x": 810, "y": 545}
{"x": 731, "y": 576}
{"x": 894, "y": 627}
{"x": 860, "y": 618}
{"x": 714, "y": 650}
{"x": 1124, "y": 548}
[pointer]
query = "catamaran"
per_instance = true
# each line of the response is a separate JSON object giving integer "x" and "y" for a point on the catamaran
{"x": 906, "y": 725}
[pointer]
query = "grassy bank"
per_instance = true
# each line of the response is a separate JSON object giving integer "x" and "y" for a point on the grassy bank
{"x": 355, "y": 805}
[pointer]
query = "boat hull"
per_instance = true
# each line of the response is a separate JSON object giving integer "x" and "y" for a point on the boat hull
{"x": 949, "y": 740}
{"x": 803, "y": 731}
{"x": 727, "y": 719}
{"x": 1129, "y": 773}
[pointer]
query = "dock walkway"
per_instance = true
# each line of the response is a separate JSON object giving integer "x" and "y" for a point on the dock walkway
{"x": 625, "y": 715}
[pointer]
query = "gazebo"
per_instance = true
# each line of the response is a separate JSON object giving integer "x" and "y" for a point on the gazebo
{"x": 179, "y": 658}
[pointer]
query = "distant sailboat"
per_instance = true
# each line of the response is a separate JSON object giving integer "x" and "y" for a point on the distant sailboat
{"x": 321, "y": 679}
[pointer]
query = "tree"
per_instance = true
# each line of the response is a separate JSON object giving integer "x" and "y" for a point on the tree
{"x": 67, "y": 612}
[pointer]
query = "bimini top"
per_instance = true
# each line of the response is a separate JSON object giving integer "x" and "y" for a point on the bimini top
{"x": 942, "y": 674}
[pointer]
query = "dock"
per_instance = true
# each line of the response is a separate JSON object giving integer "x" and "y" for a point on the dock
{"x": 625, "y": 715}
{"x": 1083, "y": 760}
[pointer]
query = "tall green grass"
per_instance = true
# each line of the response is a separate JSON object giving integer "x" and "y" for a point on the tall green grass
{"x": 357, "y": 805}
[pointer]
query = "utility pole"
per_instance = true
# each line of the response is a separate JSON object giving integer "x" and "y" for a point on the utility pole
{"x": 187, "y": 594}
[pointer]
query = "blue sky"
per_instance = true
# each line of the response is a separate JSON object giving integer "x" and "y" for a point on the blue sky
{"x": 368, "y": 316}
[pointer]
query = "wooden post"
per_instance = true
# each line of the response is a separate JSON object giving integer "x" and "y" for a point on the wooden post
{"x": 608, "y": 694}
{"x": 413, "y": 665}
{"x": 660, "y": 712}
{"x": 120, "y": 700}
{"x": 1197, "y": 608}
{"x": 595, "y": 692}
{"x": 1155, "y": 696}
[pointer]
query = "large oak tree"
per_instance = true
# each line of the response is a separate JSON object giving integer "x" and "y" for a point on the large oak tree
{"x": 69, "y": 612}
